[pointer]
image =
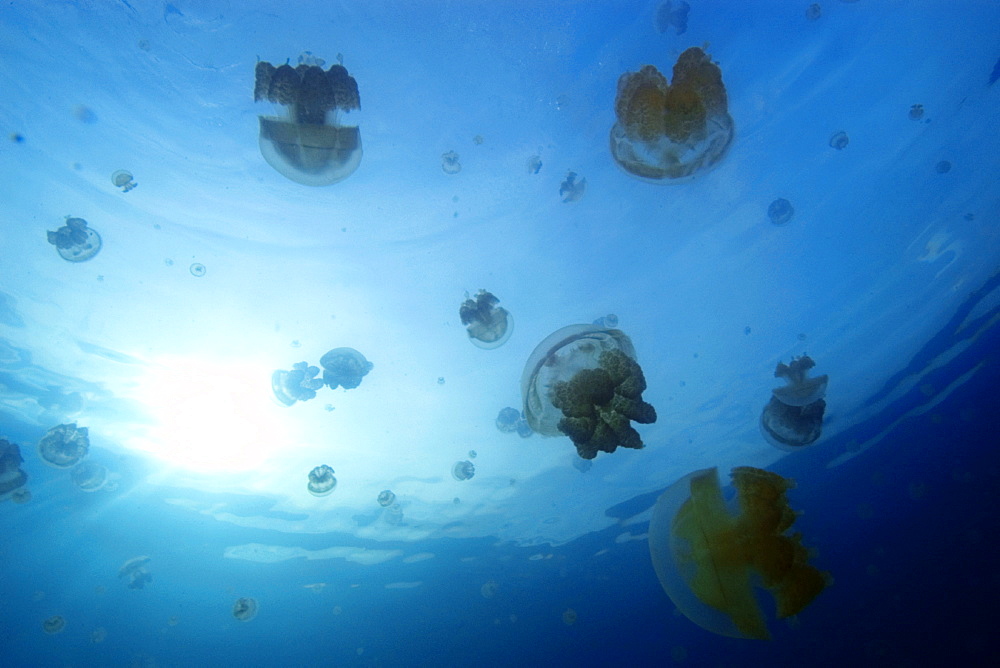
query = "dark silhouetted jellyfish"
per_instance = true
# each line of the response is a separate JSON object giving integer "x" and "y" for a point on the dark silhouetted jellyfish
{"x": 450, "y": 163}
{"x": 463, "y": 470}
{"x": 64, "y": 445}
{"x": 75, "y": 241}
{"x": 794, "y": 415}
{"x": 321, "y": 480}
{"x": 135, "y": 570}
{"x": 582, "y": 381}
{"x": 668, "y": 132}
{"x": 344, "y": 367}
{"x": 309, "y": 143}
{"x": 197, "y": 269}
{"x": 814, "y": 11}
{"x": 534, "y": 164}
{"x": 942, "y": 167}
{"x": 245, "y": 609}
{"x": 839, "y": 140}
{"x": 571, "y": 190}
{"x": 89, "y": 476}
{"x": 780, "y": 211}
{"x": 12, "y": 478}
{"x": 123, "y": 179}
{"x": 709, "y": 555}
{"x": 54, "y": 624}
{"x": 298, "y": 384}
{"x": 488, "y": 325}
{"x": 386, "y": 498}
{"x": 672, "y": 15}
{"x": 916, "y": 112}
{"x": 507, "y": 419}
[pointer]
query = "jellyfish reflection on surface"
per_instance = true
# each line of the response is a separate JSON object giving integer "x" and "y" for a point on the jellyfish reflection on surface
{"x": 245, "y": 609}
{"x": 321, "y": 481}
{"x": 64, "y": 445}
{"x": 463, "y": 470}
{"x": 794, "y": 415}
{"x": 309, "y": 144}
{"x": 667, "y": 132}
{"x": 298, "y": 384}
{"x": 12, "y": 478}
{"x": 75, "y": 241}
{"x": 916, "y": 112}
{"x": 707, "y": 555}
{"x": 344, "y": 367}
{"x": 487, "y": 324}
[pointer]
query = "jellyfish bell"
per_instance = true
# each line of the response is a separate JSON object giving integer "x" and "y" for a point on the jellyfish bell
{"x": 793, "y": 417}
{"x": 800, "y": 389}
{"x": 321, "y": 481}
{"x": 507, "y": 419}
{"x": 74, "y": 241}
{"x": 54, "y": 624}
{"x": 708, "y": 554}
{"x": 64, "y": 445}
{"x": 122, "y": 178}
{"x": 780, "y": 211}
{"x": 309, "y": 143}
{"x": 463, "y": 470}
{"x": 344, "y": 367}
{"x": 135, "y": 570}
{"x": 245, "y": 609}
{"x": 298, "y": 384}
{"x": 386, "y": 498}
{"x": 89, "y": 476}
{"x": 488, "y": 325}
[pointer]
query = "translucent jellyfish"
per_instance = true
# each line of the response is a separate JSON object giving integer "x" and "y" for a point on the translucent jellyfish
{"x": 12, "y": 478}
{"x": 814, "y": 11}
{"x": 309, "y": 141}
{"x": 608, "y": 321}
{"x": 386, "y": 498}
{"x": 463, "y": 470}
{"x": 98, "y": 635}
{"x": 197, "y": 269}
{"x": 123, "y": 179}
{"x": 942, "y": 167}
{"x": 298, "y": 384}
{"x": 523, "y": 429}
{"x": 534, "y": 164}
{"x": 472, "y": 454}
{"x": 507, "y": 419}
{"x": 344, "y": 367}
{"x": 794, "y": 415}
{"x": 582, "y": 381}
{"x": 672, "y": 15}
{"x": 64, "y": 445}
{"x": 174, "y": 620}
{"x": 780, "y": 211}
{"x": 450, "y": 163}
{"x": 54, "y": 624}
{"x": 75, "y": 241}
{"x": 571, "y": 190}
{"x": 89, "y": 476}
{"x": 135, "y": 570}
{"x": 393, "y": 514}
{"x": 916, "y": 112}
{"x": 488, "y": 325}
{"x": 569, "y": 617}
{"x": 582, "y": 465}
{"x": 245, "y": 609}
{"x": 489, "y": 589}
{"x": 839, "y": 140}
{"x": 321, "y": 480}
{"x": 708, "y": 554}
{"x": 668, "y": 132}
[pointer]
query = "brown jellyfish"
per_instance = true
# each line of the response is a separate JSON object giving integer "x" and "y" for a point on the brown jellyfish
{"x": 487, "y": 324}
{"x": 794, "y": 415}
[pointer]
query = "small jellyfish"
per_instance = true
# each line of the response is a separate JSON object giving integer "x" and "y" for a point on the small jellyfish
{"x": 54, "y": 624}
{"x": 450, "y": 163}
{"x": 507, "y": 419}
{"x": 321, "y": 481}
{"x": 344, "y": 367}
{"x": 572, "y": 190}
{"x": 489, "y": 589}
{"x": 916, "y": 112}
{"x": 75, "y": 241}
{"x": 440, "y": 380}
{"x": 672, "y": 15}
{"x": 569, "y": 617}
{"x": 609, "y": 321}
{"x": 84, "y": 114}
{"x": 522, "y": 427}
{"x": 245, "y": 609}
{"x": 794, "y": 415}
{"x": 780, "y": 211}
{"x": 12, "y": 478}
{"x": 747, "y": 330}
{"x": 89, "y": 476}
{"x": 478, "y": 140}
{"x": 488, "y": 325}
{"x": 298, "y": 384}
{"x": 197, "y": 269}
{"x": 582, "y": 465}
{"x": 839, "y": 140}
{"x": 472, "y": 454}
{"x": 64, "y": 445}
{"x": 942, "y": 167}
{"x": 534, "y": 164}
{"x": 308, "y": 142}
{"x": 813, "y": 12}
{"x": 98, "y": 635}
{"x": 123, "y": 179}
{"x": 386, "y": 498}
{"x": 135, "y": 570}
{"x": 463, "y": 470}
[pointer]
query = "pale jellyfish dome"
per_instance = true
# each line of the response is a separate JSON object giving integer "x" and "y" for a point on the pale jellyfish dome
{"x": 64, "y": 445}
{"x": 89, "y": 476}
{"x": 321, "y": 480}
{"x": 245, "y": 609}
{"x": 386, "y": 497}
{"x": 463, "y": 470}
{"x": 487, "y": 324}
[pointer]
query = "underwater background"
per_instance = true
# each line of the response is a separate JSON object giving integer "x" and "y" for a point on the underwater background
{"x": 852, "y": 217}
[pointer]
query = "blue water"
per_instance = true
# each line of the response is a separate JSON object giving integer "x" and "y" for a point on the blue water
{"x": 886, "y": 274}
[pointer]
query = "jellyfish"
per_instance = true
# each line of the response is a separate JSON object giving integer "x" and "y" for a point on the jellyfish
{"x": 123, "y": 179}
{"x": 582, "y": 381}
{"x": 64, "y": 445}
{"x": 668, "y": 132}
{"x": 344, "y": 367}
{"x": 839, "y": 140}
{"x": 321, "y": 480}
{"x": 245, "y": 609}
{"x": 463, "y": 470}
{"x": 298, "y": 384}
{"x": 571, "y": 190}
{"x": 534, "y": 164}
{"x": 54, "y": 624}
{"x": 569, "y": 617}
{"x": 489, "y": 589}
{"x": 916, "y": 112}
{"x": 89, "y": 476}
{"x": 794, "y": 415}
{"x": 197, "y": 269}
{"x": 472, "y": 454}
{"x": 12, "y": 478}
{"x": 609, "y": 321}
{"x": 135, "y": 570}
{"x": 814, "y": 11}
{"x": 522, "y": 427}
{"x": 488, "y": 325}
{"x": 22, "y": 495}
{"x": 672, "y": 15}
{"x": 75, "y": 241}
{"x": 582, "y": 465}
{"x": 308, "y": 142}
{"x": 98, "y": 635}
{"x": 708, "y": 555}
{"x": 780, "y": 211}
{"x": 386, "y": 497}
{"x": 942, "y": 167}
{"x": 507, "y": 419}
{"x": 393, "y": 514}
{"x": 450, "y": 163}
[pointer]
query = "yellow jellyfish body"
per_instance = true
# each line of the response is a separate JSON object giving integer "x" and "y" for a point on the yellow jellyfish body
{"x": 708, "y": 558}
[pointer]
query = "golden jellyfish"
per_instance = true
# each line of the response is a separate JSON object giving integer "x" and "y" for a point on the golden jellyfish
{"x": 666, "y": 132}
{"x": 708, "y": 554}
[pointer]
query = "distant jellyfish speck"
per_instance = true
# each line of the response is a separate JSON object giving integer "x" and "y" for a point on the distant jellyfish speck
{"x": 572, "y": 190}
{"x": 814, "y": 12}
{"x": 123, "y": 179}
{"x": 12, "y": 478}
{"x": 197, "y": 269}
{"x": 321, "y": 481}
{"x": 135, "y": 570}
{"x": 386, "y": 498}
{"x": 89, "y": 476}
{"x": 75, "y": 241}
{"x": 450, "y": 163}
{"x": 839, "y": 140}
{"x": 942, "y": 167}
{"x": 487, "y": 324}
{"x": 780, "y": 211}
{"x": 507, "y": 419}
{"x": 54, "y": 624}
{"x": 245, "y": 609}
{"x": 463, "y": 470}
